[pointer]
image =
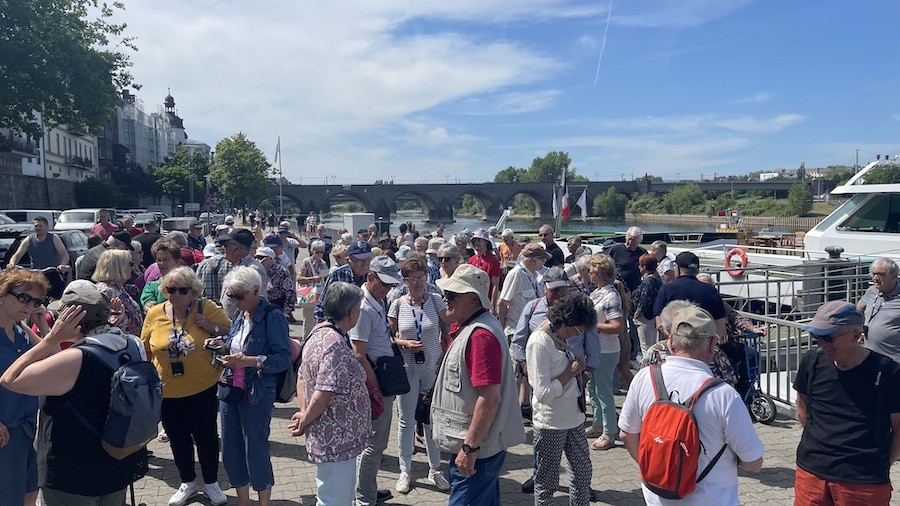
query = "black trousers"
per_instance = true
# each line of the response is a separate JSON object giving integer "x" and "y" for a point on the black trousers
{"x": 191, "y": 421}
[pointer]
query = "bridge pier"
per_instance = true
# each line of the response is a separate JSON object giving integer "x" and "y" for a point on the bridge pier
{"x": 439, "y": 215}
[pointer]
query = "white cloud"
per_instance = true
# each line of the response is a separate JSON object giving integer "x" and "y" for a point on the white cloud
{"x": 757, "y": 98}
{"x": 510, "y": 103}
{"x": 704, "y": 122}
{"x": 665, "y": 13}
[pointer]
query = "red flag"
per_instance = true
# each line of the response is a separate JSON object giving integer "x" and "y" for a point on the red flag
{"x": 566, "y": 208}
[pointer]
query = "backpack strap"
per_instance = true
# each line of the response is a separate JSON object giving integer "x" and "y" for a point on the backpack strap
{"x": 659, "y": 386}
{"x": 707, "y": 385}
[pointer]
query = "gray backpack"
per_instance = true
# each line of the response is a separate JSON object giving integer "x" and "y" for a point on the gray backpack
{"x": 135, "y": 400}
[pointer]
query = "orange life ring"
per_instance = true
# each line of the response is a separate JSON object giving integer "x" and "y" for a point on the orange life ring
{"x": 739, "y": 271}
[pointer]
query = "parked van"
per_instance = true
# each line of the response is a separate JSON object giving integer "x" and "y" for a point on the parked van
{"x": 28, "y": 215}
{"x": 81, "y": 219}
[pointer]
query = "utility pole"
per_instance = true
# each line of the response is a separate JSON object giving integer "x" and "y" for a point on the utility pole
{"x": 856, "y": 167}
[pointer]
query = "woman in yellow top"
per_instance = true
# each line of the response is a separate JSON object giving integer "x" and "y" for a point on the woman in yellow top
{"x": 173, "y": 333}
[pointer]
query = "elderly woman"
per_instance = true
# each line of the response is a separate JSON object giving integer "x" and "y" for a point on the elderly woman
{"x": 461, "y": 239}
{"x": 312, "y": 272}
{"x": 607, "y": 301}
{"x": 554, "y": 372}
{"x": 113, "y": 270}
{"x": 279, "y": 286}
{"x": 643, "y": 298}
{"x": 449, "y": 257}
{"x": 22, "y": 292}
{"x": 485, "y": 259}
{"x": 166, "y": 253}
{"x": 341, "y": 257}
{"x": 173, "y": 335}
{"x": 417, "y": 319}
{"x": 581, "y": 281}
{"x": 256, "y": 350}
{"x": 331, "y": 389}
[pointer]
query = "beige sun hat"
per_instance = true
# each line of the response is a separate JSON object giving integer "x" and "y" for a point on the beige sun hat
{"x": 468, "y": 279}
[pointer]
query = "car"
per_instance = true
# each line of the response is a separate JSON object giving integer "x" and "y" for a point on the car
{"x": 74, "y": 240}
{"x": 28, "y": 215}
{"x": 7, "y": 223}
{"x": 82, "y": 219}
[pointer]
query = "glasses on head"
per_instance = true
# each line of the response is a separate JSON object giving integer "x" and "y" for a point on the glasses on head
{"x": 236, "y": 296}
{"x": 414, "y": 279}
{"x": 24, "y": 298}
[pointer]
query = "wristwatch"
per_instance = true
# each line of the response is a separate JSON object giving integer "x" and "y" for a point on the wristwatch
{"x": 589, "y": 374}
{"x": 216, "y": 329}
{"x": 260, "y": 361}
{"x": 468, "y": 449}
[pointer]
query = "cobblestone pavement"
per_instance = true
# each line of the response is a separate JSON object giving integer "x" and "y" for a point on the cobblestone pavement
{"x": 616, "y": 477}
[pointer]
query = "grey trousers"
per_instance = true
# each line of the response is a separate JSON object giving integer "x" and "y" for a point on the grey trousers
{"x": 369, "y": 460}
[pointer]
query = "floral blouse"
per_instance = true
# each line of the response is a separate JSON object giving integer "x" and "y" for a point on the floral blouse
{"x": 280, "y": 287}
{"x": 644, "y": 296}
{"x": 133, "y": 318}
{"x": 342, "y": 431}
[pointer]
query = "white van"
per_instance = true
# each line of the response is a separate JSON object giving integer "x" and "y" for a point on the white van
{"x": 81, "y": 219}
{"x": 28, "y": 215}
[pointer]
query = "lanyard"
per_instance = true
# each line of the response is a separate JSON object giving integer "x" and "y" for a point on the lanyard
{"x": 418, "y": 320}
{"x": 876, "y": 309}
{"x": 534, "y": 283}
{"x": 175, "y": 333}
{"x": 341, "y": 332}
{"x": 374, "y": 304}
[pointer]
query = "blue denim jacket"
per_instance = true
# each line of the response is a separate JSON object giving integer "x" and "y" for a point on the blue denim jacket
{"x": 269, "y": 338}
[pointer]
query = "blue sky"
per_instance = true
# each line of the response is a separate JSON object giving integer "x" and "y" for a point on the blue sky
{"x": 431, "y": 91}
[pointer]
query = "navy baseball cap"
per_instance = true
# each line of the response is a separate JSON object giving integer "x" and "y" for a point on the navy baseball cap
{"x": 360, "y": 250}
{"x": 833, "y": 315}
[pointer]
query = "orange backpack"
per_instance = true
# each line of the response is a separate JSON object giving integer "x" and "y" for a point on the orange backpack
{"x": 669, "y": 449}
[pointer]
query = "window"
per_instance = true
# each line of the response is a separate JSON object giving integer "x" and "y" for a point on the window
{"x": 880, "y": 214}
{"x": 57, "y": 145}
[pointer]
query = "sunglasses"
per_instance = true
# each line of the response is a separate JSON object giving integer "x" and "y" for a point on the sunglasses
{"x": 236, "y": 296}
{"x": 446, "y": 259}
{"x": 183, "y": 290}
{"x": 830, "y": 338}
{"x": 261, "y": 258}
{"x": 24, "y": 298}
{"x": 449, "y": 296}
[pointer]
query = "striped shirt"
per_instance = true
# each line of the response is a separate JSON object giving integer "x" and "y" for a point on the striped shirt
{"x": 416, "y": 324}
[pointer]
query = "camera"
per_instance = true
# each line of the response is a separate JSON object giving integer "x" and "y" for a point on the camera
{"x": 177, "y": 368}
{"x": 420, "y": 357}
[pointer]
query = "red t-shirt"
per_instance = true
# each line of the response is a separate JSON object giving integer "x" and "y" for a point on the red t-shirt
{"x": 136, "y": 231}
{"x": 483, "y": 357}
{"x": 490, "y": 264}
{"x": 104, "y": 231}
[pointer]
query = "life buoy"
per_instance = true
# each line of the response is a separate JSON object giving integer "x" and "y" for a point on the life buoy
{"x": 739, "y": 271}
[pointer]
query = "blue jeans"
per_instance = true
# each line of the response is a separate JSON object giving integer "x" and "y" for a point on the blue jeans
{"x": 245, "y": 442}
{"x": 480, "y": 489}
{"x": 336, "y": 482}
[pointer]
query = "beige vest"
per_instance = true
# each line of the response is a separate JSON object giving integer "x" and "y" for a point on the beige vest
{"x": 454, "y": 398}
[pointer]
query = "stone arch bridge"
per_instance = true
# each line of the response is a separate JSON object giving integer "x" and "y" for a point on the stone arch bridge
{"x": 437, "y": 200}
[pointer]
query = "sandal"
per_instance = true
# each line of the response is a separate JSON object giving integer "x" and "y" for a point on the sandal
{"x": 603, "y": 442}
{"x": 593, "y": 432}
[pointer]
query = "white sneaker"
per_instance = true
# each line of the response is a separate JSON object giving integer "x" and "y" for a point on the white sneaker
{"x": 184, "y": 492}
{"x": 214, "y": 494}
{"x": 437, "y": 479}
{"x": 402, "y": 483}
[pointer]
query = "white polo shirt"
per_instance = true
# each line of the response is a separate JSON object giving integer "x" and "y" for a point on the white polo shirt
{"x": 519, "y": 288}
{"x": 721, "y": 418}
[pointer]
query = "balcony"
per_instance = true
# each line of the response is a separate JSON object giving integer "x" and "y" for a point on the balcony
{"x": 79, "y": 162}
{"x": 15, "y": 147}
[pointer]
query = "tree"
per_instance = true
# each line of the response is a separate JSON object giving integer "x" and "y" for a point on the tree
{"x": 173, "y": 175}
{"x": 96, "y": 192}
{"x": 510, "y": 175}
{"x": 57, "y": 61}
{"x": 611, "y": 204}
{"x": 800, "y": 200}
{"x": 682, "y": 199}
{"x": 134, "y": 182}
{"x": 241, "y": 170}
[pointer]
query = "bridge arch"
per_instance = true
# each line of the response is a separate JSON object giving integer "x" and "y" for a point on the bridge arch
{"x": 468, "y": 201}
{"x": 527, "y": 203}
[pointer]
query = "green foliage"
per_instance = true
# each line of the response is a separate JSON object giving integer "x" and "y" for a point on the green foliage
{"x": 648, "y": 203}
{"x": 56, "y": 60}
{"x": 510, "y": 175}
{"x": 173, "y": 175}
{"x": 800, "y": 199}
{"x": 134, "y": 182}
{"x": 548, "y": 168}
{"x": 469, "y": 206}
{"x": 883, "y": 175}
{"x": 611, "y": 204}
{"x": 523, "y": 204}
{"x": 409, "y": 205}
{"x": 347, "y": 207}
{"x": 683, "y": 199}
{"x": 241, "y": 169}
{"x": 96, "y": 192}
{"x": 841, "y": 173}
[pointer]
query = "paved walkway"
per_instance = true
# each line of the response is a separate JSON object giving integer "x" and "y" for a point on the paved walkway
{"x": 616, "y": 476}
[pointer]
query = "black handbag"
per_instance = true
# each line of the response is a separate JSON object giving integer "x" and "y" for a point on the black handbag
{"x": 230, "y": 394}
{"x": 423, "y": 407}
{"x": 391, "y": 373}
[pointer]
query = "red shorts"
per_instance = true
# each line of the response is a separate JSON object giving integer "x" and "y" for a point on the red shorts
{"x": 810, "y": 490}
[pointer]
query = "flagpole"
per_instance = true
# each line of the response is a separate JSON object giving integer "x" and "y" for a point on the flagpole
{"x": 280, "y": 178}
{"x": 559, "y": 204}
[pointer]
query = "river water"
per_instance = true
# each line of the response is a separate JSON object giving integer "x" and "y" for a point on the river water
{"x": 518, "y": 225}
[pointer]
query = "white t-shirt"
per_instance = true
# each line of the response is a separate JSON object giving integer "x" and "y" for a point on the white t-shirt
{"x": 237, "y": 342}
{"x": 608, "y": 305}
{"x": 554, "y": 406}
{"x": 290, "y": 250}
{"x": 428, "y": 329}
{"x": 519, "y": 288}
{"x": 721, "y": 418}
{"x": 372, "y": 327}
{"x": 665, "y": 265}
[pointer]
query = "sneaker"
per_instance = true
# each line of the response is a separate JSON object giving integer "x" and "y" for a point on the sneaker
{"x": 528, "y": 486}
{"x": 184, "y": 492}
{"x": 162, "y": 437}
{"x": 402, "y": 485}
{"x": 214, "y": 494}
{"x": 437, "y": 479}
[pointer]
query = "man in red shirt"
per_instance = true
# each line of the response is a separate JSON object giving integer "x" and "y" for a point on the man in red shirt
{"x": 485, "y": 259}
{"x": 128, "y": 222}
{"x": 482, "y": 390}
{"x": 104, "y": 228}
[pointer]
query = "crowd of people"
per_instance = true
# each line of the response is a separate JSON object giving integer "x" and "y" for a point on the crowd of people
{"x": 466, "y": 340}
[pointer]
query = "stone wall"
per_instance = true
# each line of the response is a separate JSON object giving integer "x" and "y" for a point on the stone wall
{"x": 29, "y": 192}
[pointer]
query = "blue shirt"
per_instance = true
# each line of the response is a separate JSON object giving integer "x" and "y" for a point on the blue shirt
{"x": 342, "y": 273}
{"x": 15, "y": 408}
{"x": 687, "y": 287}
{"x": 535, "y": 312}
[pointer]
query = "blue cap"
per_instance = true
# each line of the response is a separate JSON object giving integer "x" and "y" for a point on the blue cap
{"x": 361, "y": 250}
{"x": 833, "y": 315}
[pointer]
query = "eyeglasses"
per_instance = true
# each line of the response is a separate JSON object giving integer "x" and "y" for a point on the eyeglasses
{"x": 24, "y": 298}
{"x": 183, "y": 290}
{"x": 549, "y": 234}
{"x": 414, "y": 279}
{"x": 236, "y": 296}
{"x": 262, "y": 257}
{"x": 880, "y": 274}
{"x": 830, "y": 338}
{"x": 449, "y": 296}
{"x": 446, "y": 259}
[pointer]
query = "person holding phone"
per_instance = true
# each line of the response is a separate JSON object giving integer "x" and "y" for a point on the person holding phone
{"x": 173, "y": 334}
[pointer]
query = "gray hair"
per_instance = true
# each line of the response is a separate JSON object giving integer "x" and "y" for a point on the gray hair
{"x": 137, "y": 246}
{"x": 448, "y": 250}
{"x": 575, "y": 239}
{"x": 243, "y": 278}
{"x": 421, "y": 241}
{"x": 347, "y": 238}
{"x": 179, "y": 237}
{"x": 507, "y": 232}
{"x": 636, "y": 232}
{"x": 583, "y": 251}
{"x": 891, "y": 266}
{"x": 668, "y": 314}
{"x": 317, "y": 246}
{"x": 582, "y": 263}
{"x": 659, "y": 246}
{"x": 706, "y": 278}
{"x": 340, "y": 299}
